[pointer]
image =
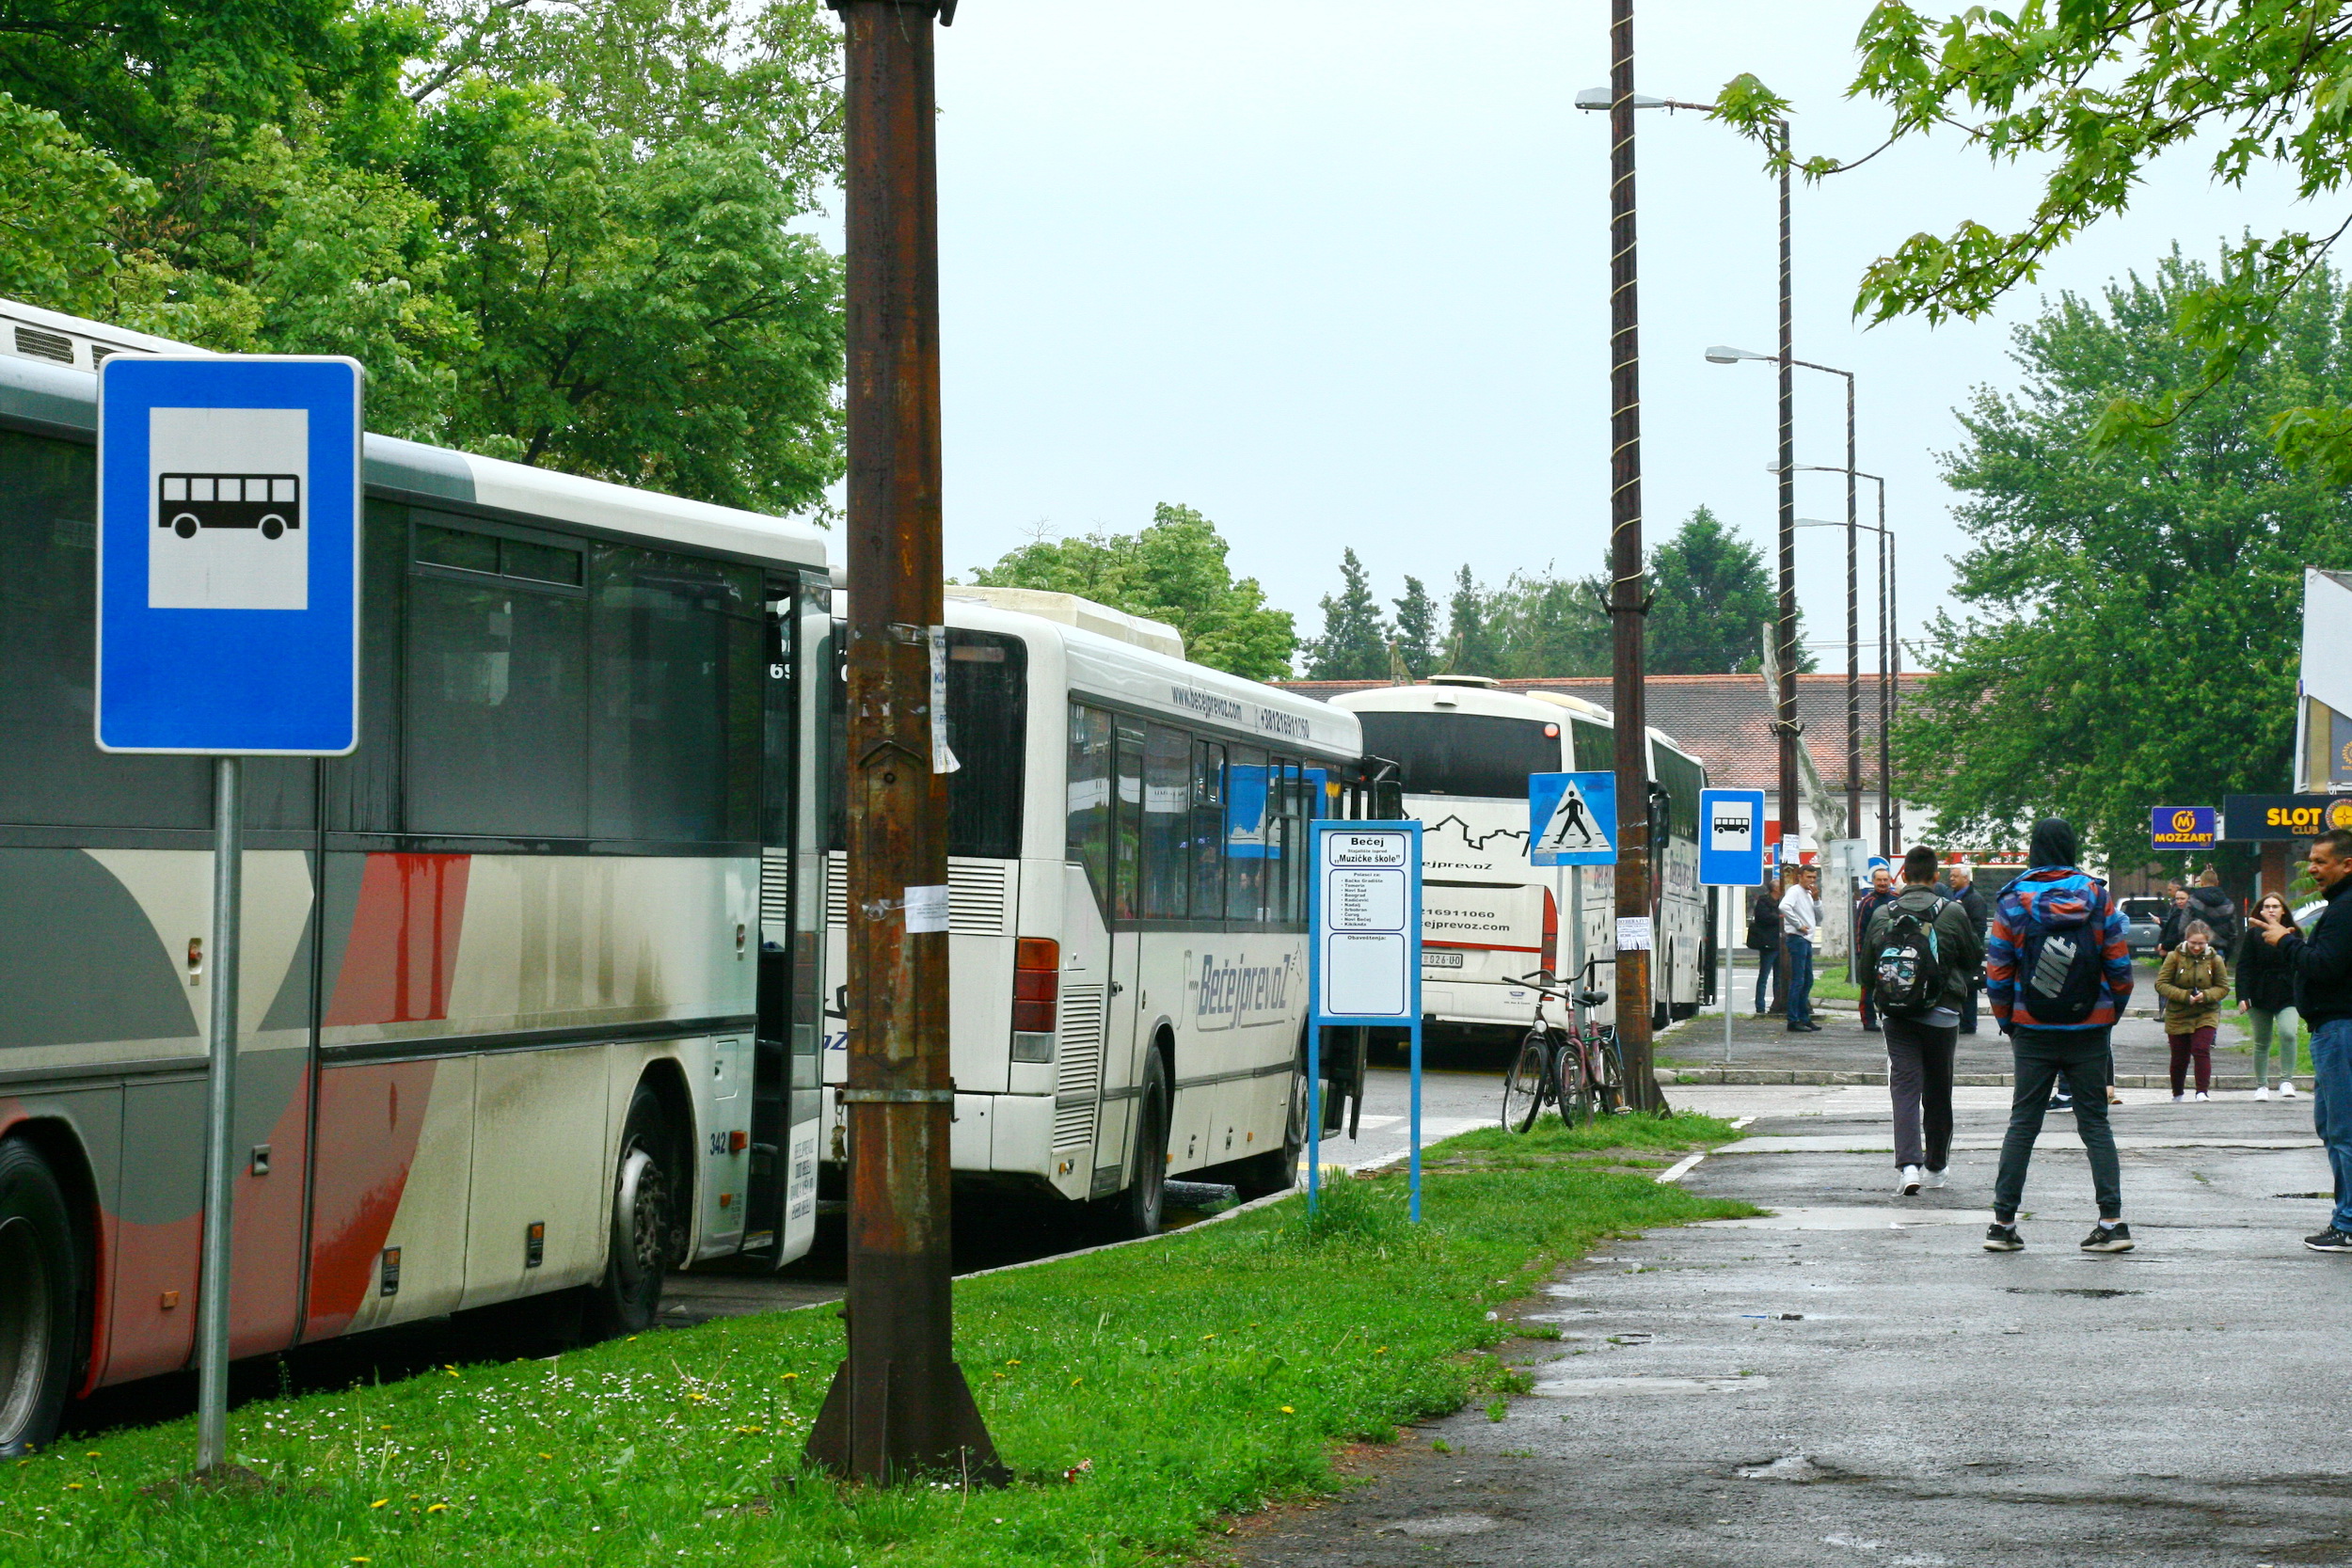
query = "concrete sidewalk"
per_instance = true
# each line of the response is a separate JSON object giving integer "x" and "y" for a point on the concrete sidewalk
{"x": 1854, "y": 1380}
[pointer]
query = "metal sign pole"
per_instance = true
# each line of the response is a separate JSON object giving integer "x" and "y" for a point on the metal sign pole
{"x": 1731, "y": 912}
{"x": 1413, "y": 1176}
{"x": 220, "y": 1110}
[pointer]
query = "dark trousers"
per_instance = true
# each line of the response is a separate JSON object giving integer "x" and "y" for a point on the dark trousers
{"x": 1919, "y": 1077}
{"x": 2197, "y": 1046}
{"x": 1800, "y": 991}
{"x": 2042, "y": 1056}
{"x": 1869, "y": 1014}
{"x": 1768, "y": 978}
{"x": 1968, "y": 1008}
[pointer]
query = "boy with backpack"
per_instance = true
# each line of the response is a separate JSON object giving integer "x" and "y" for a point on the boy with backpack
{"x": 1920, "y": 957}
{"x": 2059, "y": 973}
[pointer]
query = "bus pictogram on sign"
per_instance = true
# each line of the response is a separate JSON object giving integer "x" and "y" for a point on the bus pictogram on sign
{"x": 270, "y": 502}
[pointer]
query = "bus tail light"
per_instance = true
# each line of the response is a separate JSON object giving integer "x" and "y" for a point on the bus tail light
{"x": 1551, "y": 933}
{"x": 1036, "y": 997}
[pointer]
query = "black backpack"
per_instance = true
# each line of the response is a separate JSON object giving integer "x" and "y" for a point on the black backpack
{"x": 2062, "y": 970}
{"x": 1907, "y": 975}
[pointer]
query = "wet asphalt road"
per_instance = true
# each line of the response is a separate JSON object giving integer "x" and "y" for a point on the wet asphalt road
{"x": 1857, "y": 1382}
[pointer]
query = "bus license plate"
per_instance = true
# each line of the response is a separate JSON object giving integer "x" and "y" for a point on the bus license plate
{"x": 1440, "y": 958}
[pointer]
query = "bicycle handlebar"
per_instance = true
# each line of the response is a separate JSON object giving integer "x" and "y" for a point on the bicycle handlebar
{"x": 1545, "y": 981}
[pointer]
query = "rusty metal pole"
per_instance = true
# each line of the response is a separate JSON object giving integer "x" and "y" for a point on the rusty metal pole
{"x": 1890, "y": 830}
{"x": 898, "y": 1407}
{"x": 1629, "y": 604}
{"x": 1854, "y": 633}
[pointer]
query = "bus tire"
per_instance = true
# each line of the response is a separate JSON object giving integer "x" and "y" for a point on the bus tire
{"x": 644, "y": 1189}
{"x": 1277, "y": 1170}
{"x": 1136, "y": 1212}
{"x": 39, "y": 1275}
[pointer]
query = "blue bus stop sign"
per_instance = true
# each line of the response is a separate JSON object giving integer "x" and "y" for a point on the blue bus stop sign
{"x": 229, "y": 555}
{"x": 1731, "y": 837}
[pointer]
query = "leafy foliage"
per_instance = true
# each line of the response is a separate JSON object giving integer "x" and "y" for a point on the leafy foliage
{"x": 556, "y": 234}
{"x": 1417, "y": 630}
{"x": 2094, "y": 91}
{"x": 1709, "y": 591}
{"x": 1355, "y": 642}
{"x": 1173, "y": 570}
{"x": 2133, "y": 624}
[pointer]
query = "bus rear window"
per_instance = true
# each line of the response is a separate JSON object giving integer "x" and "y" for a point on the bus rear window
{"x": 1464, "y": 754}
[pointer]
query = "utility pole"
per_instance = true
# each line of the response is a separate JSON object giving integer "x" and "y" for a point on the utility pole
{"x": 1628, "y": 601}
{"x": 898, "y": 1407}
{"x": 1786, "y": 726}
{"x": 1853, "y": 636}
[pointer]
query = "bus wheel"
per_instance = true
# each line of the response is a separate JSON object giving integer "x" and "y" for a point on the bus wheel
{"x": 1137, "y": 1212}
{"x": 38, "y": 1271}
{"x": 1277, "y": 1170}
{"x": 624, "y": 1301}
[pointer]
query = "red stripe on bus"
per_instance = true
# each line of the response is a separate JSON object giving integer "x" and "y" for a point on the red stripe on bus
{"x": 402, "y": 951}
{"x": 369, "y": 1117}
{"x": 1481, "y": 946}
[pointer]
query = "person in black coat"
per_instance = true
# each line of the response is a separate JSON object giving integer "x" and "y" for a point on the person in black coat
{"x": 2265, "y": 994}
{"x": 1961, "y": 889}
{"x": 1764, "y": 931}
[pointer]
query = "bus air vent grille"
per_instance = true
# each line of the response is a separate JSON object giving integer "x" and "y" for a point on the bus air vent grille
{"x": 776, "y": 895}
{"x": 976, "y": 897}
{"x": 34, "y": 343}
{"x": 1078, "y": 1065}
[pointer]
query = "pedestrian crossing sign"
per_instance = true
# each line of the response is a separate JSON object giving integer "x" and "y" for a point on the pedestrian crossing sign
{"x": 1572, "y": 818}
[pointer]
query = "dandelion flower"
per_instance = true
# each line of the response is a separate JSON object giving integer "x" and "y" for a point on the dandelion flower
{"x": 73, "y": 1486}
{"x": 439, "y": 1507}
{"x": 379, "y": 1502}
{"x": 1288, "y": 1411}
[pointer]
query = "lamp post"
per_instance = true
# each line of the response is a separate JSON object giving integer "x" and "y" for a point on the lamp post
{"x": 1721, "y": 356}
{"x": 1890, "y": 648}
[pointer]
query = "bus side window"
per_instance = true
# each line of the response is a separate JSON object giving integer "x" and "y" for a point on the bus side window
{"x": 1166, "y": 818}
{"x": 1290, "y": 869}
{"x": 1208, "y": 828}
{"x": 1248, "y": 835}
{"x": 1127, "y": 825}
{"x": 1090, "y": 818}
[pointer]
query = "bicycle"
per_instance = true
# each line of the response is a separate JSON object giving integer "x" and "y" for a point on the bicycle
{"x": 1576, "y": 1069}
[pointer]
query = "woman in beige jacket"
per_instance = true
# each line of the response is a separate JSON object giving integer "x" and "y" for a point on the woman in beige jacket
{"x": 2192, "y": 982}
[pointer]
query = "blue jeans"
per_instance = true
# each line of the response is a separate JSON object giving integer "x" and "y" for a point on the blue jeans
{"x": 1800, "y": 991}
{"x": 2331, "y": 1107}
{"x": 1767, "y": 977}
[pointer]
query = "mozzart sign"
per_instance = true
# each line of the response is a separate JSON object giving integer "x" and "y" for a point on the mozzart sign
{"x": 2270, "y": 817}
{"x": 2181, "y": 827}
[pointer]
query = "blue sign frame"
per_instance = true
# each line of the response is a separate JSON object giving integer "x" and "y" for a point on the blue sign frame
{"x": 1584, "y": 804}
{"x": 2182, "y": 827}
{"x": 1406, "y": 922}
{"x": 1721, "y": 866}
{"x": 229, "y": 513}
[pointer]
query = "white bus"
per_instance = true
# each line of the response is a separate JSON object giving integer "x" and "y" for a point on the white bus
{"x": 1464, "y": 750}
{"x": 532, "y": 981}
{"x": 1127, "y": 950}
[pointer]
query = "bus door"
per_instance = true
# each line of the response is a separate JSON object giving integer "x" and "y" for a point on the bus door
{"x": 1124, "y": 1036}
{"x": 797, "y": 781}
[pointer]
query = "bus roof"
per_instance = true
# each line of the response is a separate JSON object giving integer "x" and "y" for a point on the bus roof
{"x": 1450, "y": 698}
{"x": 1155, "y": 682}
{"x": 48, "y": 379}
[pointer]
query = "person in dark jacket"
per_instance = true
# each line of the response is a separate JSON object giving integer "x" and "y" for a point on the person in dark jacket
{"x": 2208, "y": 903}
{"x": 1961, "y": 889}
{"x": 1881, "y": 892}
{"x": 2265, "y": 994}
{"x": 1764, "y": 941}
{"x": 2056, "y": 900}
{"x": 1919, "y": 1046}
{"x": 2323, "y": 995}
{"x": 2176, "y": 919}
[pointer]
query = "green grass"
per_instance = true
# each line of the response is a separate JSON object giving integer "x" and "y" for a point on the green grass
{"x": 1139, "y": 1395}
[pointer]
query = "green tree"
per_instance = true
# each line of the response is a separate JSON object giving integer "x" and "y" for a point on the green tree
{"x": 2088, "y": 93}
{"x": 1709, "y": 590}
{"x": 1417, "y": 630}
{"x": 1470, "y": 647}
{"x": 1548, "y": 626}
{"x": 59, "y": 202}
{"x": 2131, "y": 625}
{"x": 1173, "y": 570}
{"x": 1355, "y": 642}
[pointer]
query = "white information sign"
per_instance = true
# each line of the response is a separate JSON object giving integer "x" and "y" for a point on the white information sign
{"x": 1367, "y": 926}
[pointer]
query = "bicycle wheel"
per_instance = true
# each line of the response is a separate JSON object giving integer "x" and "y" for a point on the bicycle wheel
{"x": 1608, "y": 1071}
{"x": 1570, "y": 1088}
{"x": 1524, "y": 1088}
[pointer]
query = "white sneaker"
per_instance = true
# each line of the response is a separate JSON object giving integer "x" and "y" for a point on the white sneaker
{"x": 2179, "y": 1098}
{"x": 2286, "y": 1089}
{"x": 2201, "y": 1094}
{"x": 1940, "y": 1178}
{"x": 2261, "y": 1093}
{"x": 1909, "y": 1185}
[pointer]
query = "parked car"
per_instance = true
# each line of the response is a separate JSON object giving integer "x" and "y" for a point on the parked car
{"x": 2143, "y": 918}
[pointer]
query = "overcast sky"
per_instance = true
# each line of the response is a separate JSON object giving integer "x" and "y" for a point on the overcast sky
{"x": 1334, "y": 272}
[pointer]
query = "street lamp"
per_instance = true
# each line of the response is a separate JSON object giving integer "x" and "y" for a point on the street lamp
{"x": 1890, "y": 655}
{"x": 1721, "y": 354}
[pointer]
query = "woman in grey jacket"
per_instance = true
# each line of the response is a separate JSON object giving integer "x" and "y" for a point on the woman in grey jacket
{"x": 1921, "y": 1040}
